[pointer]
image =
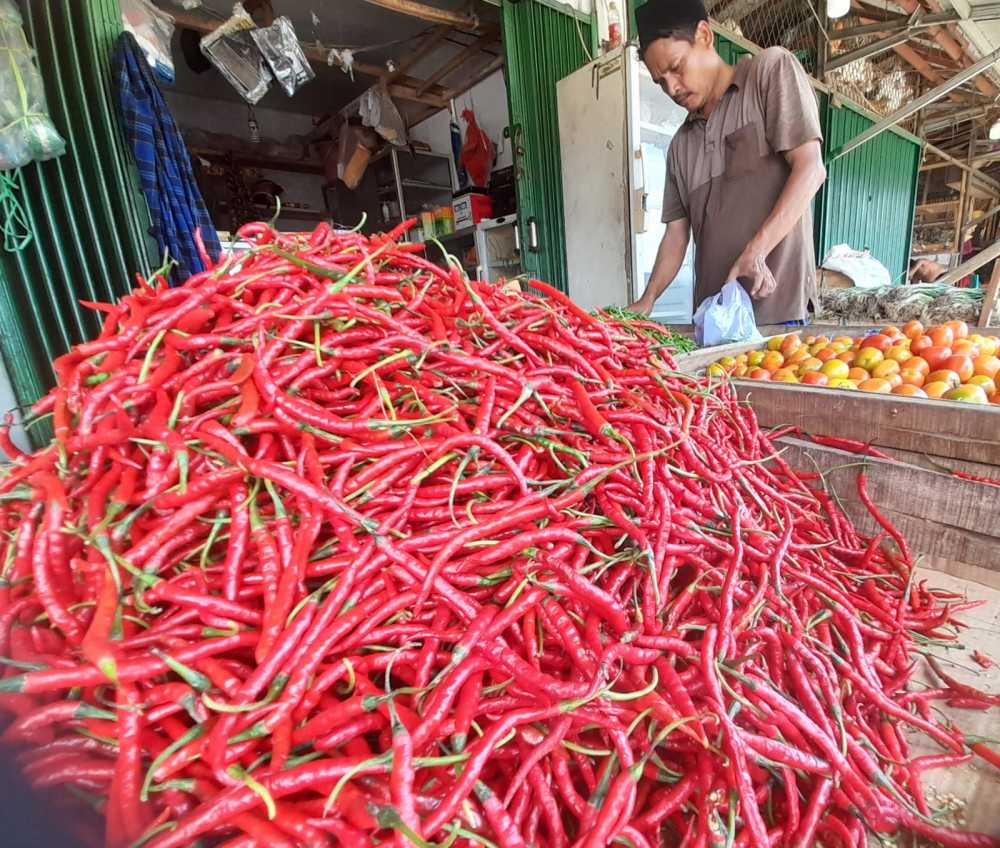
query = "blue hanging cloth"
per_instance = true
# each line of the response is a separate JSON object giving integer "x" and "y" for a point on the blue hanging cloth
{"x": 168, "y": 183}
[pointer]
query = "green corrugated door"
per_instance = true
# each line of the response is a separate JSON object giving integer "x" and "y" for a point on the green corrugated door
{"x": 541, "y": 46}
{"x": 88, "y": 218}
{"x": 870, "y": 194}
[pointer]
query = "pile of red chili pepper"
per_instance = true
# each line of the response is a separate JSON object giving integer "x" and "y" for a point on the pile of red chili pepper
{"x": 335, "y": 547}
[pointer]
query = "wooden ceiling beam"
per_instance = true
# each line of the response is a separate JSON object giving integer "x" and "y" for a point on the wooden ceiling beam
{"x": 431, "y": 14}
{"x": 404, "y": 87}
{"x": 424, "y": 49}
{"x": 459, "y": 59}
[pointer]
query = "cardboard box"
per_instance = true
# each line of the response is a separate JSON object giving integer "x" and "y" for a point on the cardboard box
{"x": 471, "y": 208}
{"x": 833, "y": 280}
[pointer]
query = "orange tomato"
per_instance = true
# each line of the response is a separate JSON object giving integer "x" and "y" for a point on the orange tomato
{"x": 945, "y": 376}
{"x": 772, "y": 361}
{"x": 920, "y": 344}
{"x": 836, "y": 370}
{"x": 882, "y": 387}
{"x": 858, "y": 374}
{"x": 892, "y": 331}
{"x": 868, "y": 358}
{"x": 942, "y": 336}
{"x": 986, "y": 366}
{"x": 894, "y": 380}
{"x": 800, "y": 355}
{"x": 826, "y": 354}
{"x": 959, "y": 329}
{"x": 755, "y": 358}
{"x": 918, "y": 363}
{"x": 961, "y": 365}
{"x": 985, "y": 383}
{"x": 759, "y": 374}
{"x": 775, "y": 342}
{"x": 912, "y": 377}
{"x": 740, "y": 371}
{"x": 912, "y": 329}
{"x": 784, "y": 375}
{"x": 898, "y": 353}
{"x": 906, "y": 390}
{"x": 847, "y": 356}
{"x": 878, "y": 341}
{"x": 989, "y": 346}
{"x": 967, "y": 394}
{"x": 936, "y": 390}
{"x": 965, "y": 348}
{"x": 790, "y": 344}
{"x": 885, "y": 368}
{"x": 814, "y": 378}
{"x": 936, "y": 356}
{"x": 811, "y": 364}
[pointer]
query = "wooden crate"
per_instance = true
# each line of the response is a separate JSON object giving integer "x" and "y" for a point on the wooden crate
{"x": 953, "y": 521}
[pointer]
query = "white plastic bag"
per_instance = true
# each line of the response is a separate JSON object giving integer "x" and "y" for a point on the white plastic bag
{"x": 726, "y": 317}
{"x": 380, "y": 113}
{"x": 863, "y": 269}
{"x": 153, "y": 29}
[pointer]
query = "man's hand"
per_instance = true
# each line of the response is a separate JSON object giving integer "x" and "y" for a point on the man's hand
{"x": 641, "y": 306}
{"x": 752, "y": 267}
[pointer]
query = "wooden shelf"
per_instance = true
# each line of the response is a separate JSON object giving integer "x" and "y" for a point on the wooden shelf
{"x": 425, "y": 185}
{"x": 267, "y": 163}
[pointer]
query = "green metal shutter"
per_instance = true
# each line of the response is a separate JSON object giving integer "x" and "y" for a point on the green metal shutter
{"x": 88, "y": 217}
{"x": 541, "y": 46}
{"x": 870, "y": 194}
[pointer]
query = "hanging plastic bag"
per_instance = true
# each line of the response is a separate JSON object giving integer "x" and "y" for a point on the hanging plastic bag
{"x": 153, "y": 29}
{"x": 726, "y": 317}
{"x": 477, "y": 152}
{"x": 281, "y": 50}
{"x": 26, "y": 131}
{"x": 232, "y": 49}
{"x": 380, "y": 113}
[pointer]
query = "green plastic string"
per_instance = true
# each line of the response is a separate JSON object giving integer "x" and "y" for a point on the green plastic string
{"x": 17, "y": 233}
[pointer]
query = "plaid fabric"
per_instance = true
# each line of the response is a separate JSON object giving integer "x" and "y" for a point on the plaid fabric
{"x": 175, "y": 203}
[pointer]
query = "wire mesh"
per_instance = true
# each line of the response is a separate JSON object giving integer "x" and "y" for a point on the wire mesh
{"x": 881, "y": 83}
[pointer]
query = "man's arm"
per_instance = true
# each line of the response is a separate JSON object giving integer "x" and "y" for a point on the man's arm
{"x": 669, "y": 258}
{"x": 806, "y": 178}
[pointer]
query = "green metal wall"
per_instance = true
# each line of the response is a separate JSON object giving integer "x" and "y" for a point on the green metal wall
{"x": 541, "y": 46}
{"x": 870, "y": 194}
{"x": 87, "y": 215}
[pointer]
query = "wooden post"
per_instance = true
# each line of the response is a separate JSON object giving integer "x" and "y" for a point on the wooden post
{"x": 991, "y": 296}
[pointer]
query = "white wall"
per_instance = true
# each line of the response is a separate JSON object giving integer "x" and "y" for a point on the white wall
{"x": 488, "y": 100}
{"x": 7, "y": 403}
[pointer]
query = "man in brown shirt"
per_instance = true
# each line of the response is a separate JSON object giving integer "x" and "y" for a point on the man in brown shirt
{"x": 742, "y": 170}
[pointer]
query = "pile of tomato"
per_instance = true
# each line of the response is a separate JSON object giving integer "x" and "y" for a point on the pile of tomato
{"x": 944, "y": 361}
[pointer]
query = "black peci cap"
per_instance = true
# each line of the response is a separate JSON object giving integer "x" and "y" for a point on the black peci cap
{"x": 662, "y": 18}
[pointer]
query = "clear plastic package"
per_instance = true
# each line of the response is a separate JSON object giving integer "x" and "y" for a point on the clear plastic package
{"x": 27, "y": 134}
{"x": 232, "y": 49}
{"x": 153, "y": 29}
{"x": 281, "y": 50}
{"x": 380, "y": 113}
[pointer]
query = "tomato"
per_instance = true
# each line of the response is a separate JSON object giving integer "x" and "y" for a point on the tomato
{"x": 868, "y": 358}
{"x": 936, "y": 390}
{"x": 961, "y": 365}
{"x": 967, "y": 394}
{"x": 878, "y": 341}
{"x": 892, "y": 331}
{"x": 964, "y": 347}
{"x": 885, "y": 368}
{"x": 727, "y": 362}
{"x": 775, "y": 342}
{"x": 800, "y": 355}
{"x": 772, "y": 361}
{"x": 945, "y": 376}
{"x": 990, "y": 345}
{"x": 912, "y": 377}
{"x": 759, "y": 374}
{"x": 844, "y": 340}
{"x": 986, "y": 366}
{"x": 858, "y": 374}
{"x": 882, "y": 387}
{"x": 811, "y": 364}
{"x": 716, "y": 370}
{"x": 912, "y": 329}
{"x": 835, "y": 369}
{"x": 936, "y": 356}
{"x": 918, "y": 363}
{"x": 899, "y": 353}
{"x": 906, "y": 390}
{"x": 790, "y": 344}
{"x": 755, "y": 358}
{"x": 842, "y": 384}
{"x": 814, "y": 378}
{"x": 784, "y": 375}
{"x": 740, "y": 371}
{"x": 826, "y": 354}
{"x": 847, "y": 356}
{"x": 959, "y": 329}
{"x": 985, "y": 383}
{"x": 942, "y": 336}
{"x": 920, "y": 344}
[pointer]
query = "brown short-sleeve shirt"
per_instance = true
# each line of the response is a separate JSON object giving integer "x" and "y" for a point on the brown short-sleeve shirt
{"x": 725, "y": 175}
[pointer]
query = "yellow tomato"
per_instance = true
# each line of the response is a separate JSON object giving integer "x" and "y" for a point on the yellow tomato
{"x": 839, "y": 383}
{"x": 868, "y": 358}
{"x": 898, "y": 353}
{"x": 772, "y": 361}
{"x": 811, "y": 364}
{"x": 967, "y": 394}
{"x": 985, "y": 383}
{"x": 716, "y": 370}
{"x": 775, "y": 342}
{"x": 836, "y": 370}
{"x": 785, "y": 375}
{"x": 886, "y": 368}
{"x": 755, "y": 358}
